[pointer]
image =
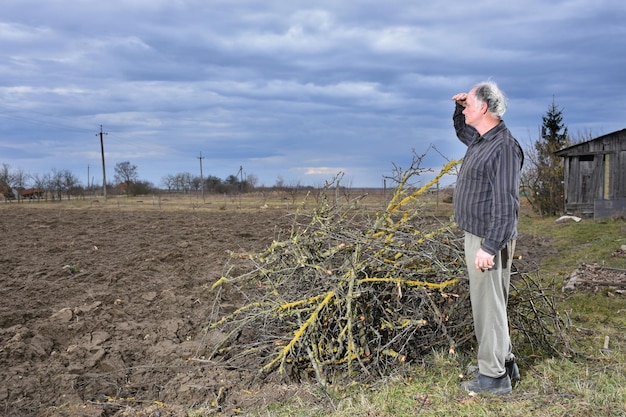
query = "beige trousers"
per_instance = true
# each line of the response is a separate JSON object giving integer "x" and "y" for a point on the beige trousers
{"x": 489, "y": 294}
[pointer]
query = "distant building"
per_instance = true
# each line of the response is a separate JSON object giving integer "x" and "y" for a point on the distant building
{"x": 595, "y": 176}
{"x": 32, "y": 193}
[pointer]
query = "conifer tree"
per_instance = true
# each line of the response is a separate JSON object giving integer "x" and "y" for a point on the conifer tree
{"x": 544, "y": 175}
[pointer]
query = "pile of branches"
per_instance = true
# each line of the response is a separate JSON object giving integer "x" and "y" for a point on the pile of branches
{"x": 350, "y": 294}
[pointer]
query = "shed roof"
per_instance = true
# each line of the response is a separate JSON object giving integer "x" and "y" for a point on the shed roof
{"x": 573, "y": 148}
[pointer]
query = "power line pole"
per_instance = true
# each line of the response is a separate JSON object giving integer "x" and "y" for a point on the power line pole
{"x": 104, "y": 174}
{"x": 201, "y": 177}
{"x": 240, "y": 173}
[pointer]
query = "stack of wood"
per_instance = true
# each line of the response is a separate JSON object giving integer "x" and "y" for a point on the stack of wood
{"x": 351, "y": 294}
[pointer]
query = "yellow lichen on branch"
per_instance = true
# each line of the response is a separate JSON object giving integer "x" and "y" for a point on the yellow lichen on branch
{"x": 412, "y": 283}
{"x": 239, "y": 311}
{"x": 310, "y": 300}
{"x": 282, "y": 355}
{"x": 219, "y": 282}
{"x": 399, "y": 201}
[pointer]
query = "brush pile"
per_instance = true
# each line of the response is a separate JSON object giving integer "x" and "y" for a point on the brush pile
{"x": 350, "y": 294}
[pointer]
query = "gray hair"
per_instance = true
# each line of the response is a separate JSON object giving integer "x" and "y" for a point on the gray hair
{"x": 488, "y": 92}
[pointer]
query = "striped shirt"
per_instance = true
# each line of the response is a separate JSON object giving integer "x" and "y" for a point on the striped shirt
{"x": 486, "y": 195}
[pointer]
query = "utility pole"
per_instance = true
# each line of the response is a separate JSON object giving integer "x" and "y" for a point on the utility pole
{"x": 201, "y": 177}
{"x": 241, "y": 178}
{"x": 104, "y": 174}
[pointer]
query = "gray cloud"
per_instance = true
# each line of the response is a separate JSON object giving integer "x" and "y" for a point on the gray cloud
{"x": 291, "y": 89}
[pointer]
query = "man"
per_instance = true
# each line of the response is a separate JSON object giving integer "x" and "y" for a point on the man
{"x": 486, "y": 205}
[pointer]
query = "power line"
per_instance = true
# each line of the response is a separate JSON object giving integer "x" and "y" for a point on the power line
{"x": 43, "y": 123}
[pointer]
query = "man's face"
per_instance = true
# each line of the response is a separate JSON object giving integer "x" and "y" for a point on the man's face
{"x": 474, "y": 110}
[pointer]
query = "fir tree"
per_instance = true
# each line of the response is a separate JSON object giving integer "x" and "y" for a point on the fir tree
{"x": 543, "y": 179}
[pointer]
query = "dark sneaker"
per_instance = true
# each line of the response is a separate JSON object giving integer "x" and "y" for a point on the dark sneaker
{"x": 483, "y": 383}
{"x": 512, "y": 370}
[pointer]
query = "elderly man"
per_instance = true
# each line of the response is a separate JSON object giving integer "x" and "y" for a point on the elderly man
{"x": 486, "y": 205}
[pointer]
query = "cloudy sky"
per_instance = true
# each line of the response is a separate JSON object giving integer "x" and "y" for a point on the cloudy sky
{"x": 296, "y": 90}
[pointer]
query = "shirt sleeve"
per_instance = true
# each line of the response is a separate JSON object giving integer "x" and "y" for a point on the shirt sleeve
{"x": 466, "y": 133}
{"x": 505, "y": 205}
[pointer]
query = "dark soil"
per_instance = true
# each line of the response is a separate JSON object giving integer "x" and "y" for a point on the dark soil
{"x": 101, "y": 310}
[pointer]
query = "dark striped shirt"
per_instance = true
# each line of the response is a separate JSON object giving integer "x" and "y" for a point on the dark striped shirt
{"x": 486, "y": 195}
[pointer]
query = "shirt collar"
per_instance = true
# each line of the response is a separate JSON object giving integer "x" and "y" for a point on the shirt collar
{"x": 493, "y": 132}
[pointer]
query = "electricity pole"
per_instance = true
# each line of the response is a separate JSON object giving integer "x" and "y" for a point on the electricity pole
{"x": 240, "y": 173}
{"x": 104, "y": 174}
{"x": 201, "y": 177}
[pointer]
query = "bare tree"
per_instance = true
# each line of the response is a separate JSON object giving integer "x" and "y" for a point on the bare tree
{"x": 293, "y": 189}
{"x": 41, "y": 182}
{"x": 169, "y": 182}
{"x": 126, "y": 175}
{"x": 346, "y": 190}
{"x": 214, "y": 184}
{"x": 280, "y": 183}
{"x": 56, "y": 184}
{"x": 183, "y": 182}
{"x": 70, "y": 182}
{"x": 6, "y": 182}
{"x": 20, "y": 179}
{"x": 196, "y": 183}
{"x": 252, "y": 180}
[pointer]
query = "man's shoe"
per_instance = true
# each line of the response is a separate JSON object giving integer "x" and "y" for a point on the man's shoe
{"x": 483, "y": 383}
{"x": 512, "y": 370}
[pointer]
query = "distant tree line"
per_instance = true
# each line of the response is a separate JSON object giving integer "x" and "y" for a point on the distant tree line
{"x": 185, "y": 182}
{"x": 17, "y": 184}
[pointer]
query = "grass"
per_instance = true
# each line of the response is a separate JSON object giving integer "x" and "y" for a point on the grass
{"x": 572, "y": 243}
{"x": 591, "y": 384}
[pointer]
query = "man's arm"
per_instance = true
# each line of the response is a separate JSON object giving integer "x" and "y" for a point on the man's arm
{"x": 505, "y": 204}
{"x": 466, "y": 133}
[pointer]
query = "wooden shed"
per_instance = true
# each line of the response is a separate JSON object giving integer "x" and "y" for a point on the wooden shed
{"x": 595, "y": 176}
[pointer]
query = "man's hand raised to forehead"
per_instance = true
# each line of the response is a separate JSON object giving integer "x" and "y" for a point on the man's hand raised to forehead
{"x": 460, "y": 98}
